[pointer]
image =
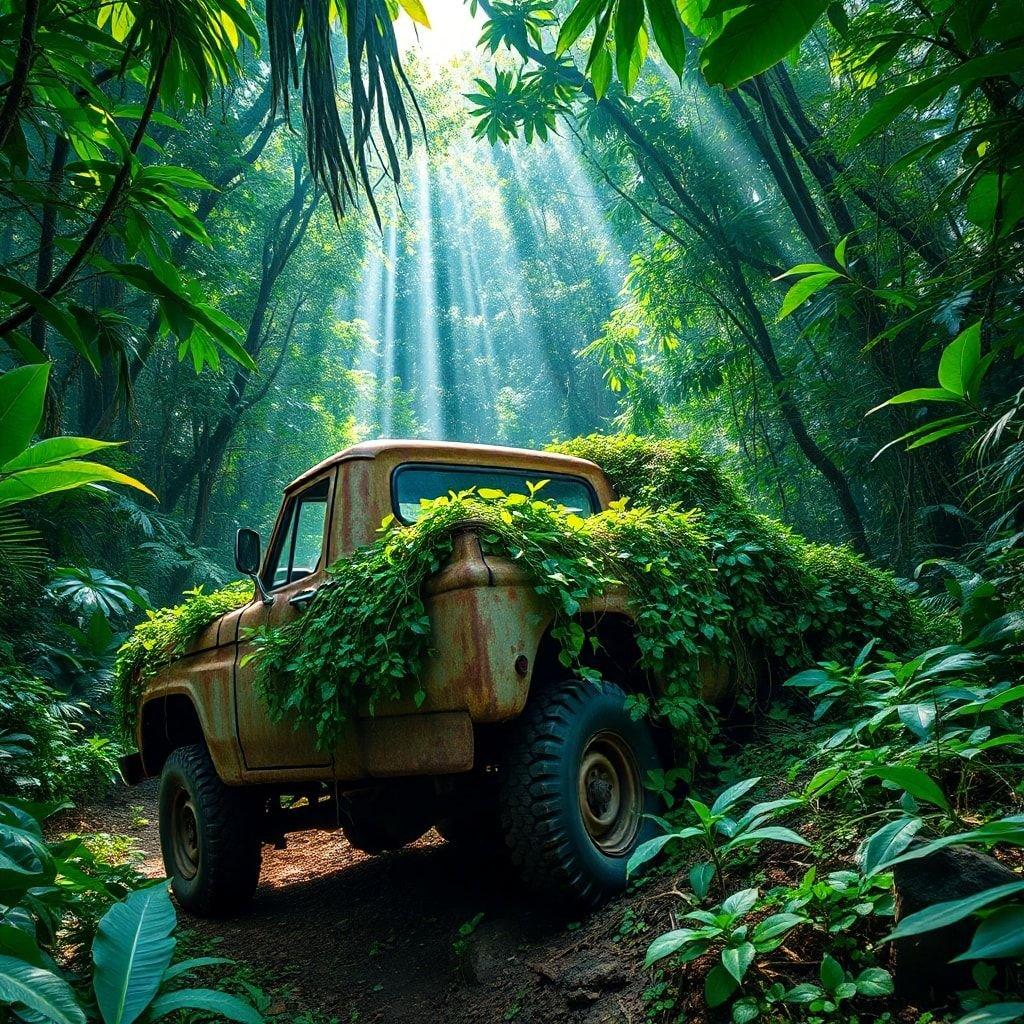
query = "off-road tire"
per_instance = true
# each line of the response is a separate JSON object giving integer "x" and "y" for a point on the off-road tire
{"x": 226, "y": 869}
{"x": 541, "y": 799}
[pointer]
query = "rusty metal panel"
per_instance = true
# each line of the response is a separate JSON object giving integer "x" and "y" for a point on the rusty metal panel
{"x": 420, "y": 744}
{"x": 205, "y": 679}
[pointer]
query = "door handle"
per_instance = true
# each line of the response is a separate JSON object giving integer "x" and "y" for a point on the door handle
{"x": 303, "y": 597}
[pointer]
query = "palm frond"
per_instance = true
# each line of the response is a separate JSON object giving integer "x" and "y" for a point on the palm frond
{"x": 379, "y": 89}
{"x": 22, "y": 554}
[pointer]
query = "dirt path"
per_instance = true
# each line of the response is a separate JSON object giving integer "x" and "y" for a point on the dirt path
{"x": 361, "y": 938}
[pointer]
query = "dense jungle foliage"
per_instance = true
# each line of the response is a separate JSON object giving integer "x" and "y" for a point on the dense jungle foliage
{"x": 762, "y": 259}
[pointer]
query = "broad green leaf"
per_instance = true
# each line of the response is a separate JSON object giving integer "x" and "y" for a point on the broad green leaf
{"x": 994, "y": 194}
{"x": 577, "y": 22}
{"x": 759, "y": 36}
{"x": 186, "y": 966}
{"x": 745, "y": 1010}
{"x": 775, "y": 926}
{"x": 132, "y": 950}
{"x": 669, "y": 943}
{"x": 701, "y": 876}
{"x": 65, "y": 476}
{"x": 668, "y": 33}
{"x": 737, "y": 959}
{"x": 959, "y": 360}
{"x": 999, "y": 936}
{"x": 937, "y": 435}
{"x": 719, "y": 985}
{"x": 915, "y": 782}
{"x": 220, "y": 1004}
{"x": 994, "y": 1013}
{"x": 918, "y": 718}
{"x": 601, "y": 73}
{"x": 874, "y": 981}
{"x": 939, "y": 915}
{"x": 776, "y": 832}
{"x": 414, "y": 8}
{"x": 803, "y": 289}
{"x": 649, "y": 850}
{"x": 831, "y": 973}
{"x": 803, "y": 993}
{"x": 840, "y": 251}
{"x": 56, "y": 449}
{"x": 740, "y": 903}
{"x": 919, "y": 395}
{"x": 22, "y": 394}
{"x": 42, "y": 991}
{"x": 629, "y": 21}
{"x": 888, "y": 842}
{"x": 1005, "y": 830}
{"x": 54, "y": 315}
{"x": 729, "y": 796}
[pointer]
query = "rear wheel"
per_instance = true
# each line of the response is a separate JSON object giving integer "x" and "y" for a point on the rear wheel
{"x": 573, "y": 800}
{"x": 209, "y": 835}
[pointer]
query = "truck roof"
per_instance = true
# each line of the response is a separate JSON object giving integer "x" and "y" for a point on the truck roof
{"x": 491, "y": 455}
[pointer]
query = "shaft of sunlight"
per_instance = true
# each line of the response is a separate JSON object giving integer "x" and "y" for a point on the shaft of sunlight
{"x": 612, "y": 260}
{"x": 428, "y": 388}
{"x": 387, "y": 375}
{"x": 368, "y": 365}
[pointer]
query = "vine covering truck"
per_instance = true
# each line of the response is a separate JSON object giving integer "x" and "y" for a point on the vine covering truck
{"x": 504, "y": 748}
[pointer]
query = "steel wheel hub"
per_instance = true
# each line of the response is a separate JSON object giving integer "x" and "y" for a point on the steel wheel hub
{"x": 185, "y": 836}
{"x": 610, "y": 794}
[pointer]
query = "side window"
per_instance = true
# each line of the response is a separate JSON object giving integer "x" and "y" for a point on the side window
{"x": 300, "y": 541}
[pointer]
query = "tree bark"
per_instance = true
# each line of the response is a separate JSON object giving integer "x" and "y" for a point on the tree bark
{"x": 18, "y": 83}
{"x": 106, "y": 211}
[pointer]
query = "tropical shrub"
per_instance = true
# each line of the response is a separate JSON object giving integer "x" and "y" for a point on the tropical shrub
{"x": 127, "y": 973}
{"x": 898, "y": 759}
{"x": 53, "y": 756}
{"x": 29, "y": 471}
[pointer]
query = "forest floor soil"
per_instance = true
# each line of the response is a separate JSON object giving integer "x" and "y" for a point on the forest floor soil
{"x": 337, "y": 935}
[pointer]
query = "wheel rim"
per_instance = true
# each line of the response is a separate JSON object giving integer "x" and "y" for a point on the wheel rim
{"x": 610, "y": 797}
{"x": 185, "y": 835}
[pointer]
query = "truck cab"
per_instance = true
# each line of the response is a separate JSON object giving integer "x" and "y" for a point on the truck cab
{"x": 504, "y": 754}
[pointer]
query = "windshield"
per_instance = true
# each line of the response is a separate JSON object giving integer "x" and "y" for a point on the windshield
{"x": 412, "y": 484}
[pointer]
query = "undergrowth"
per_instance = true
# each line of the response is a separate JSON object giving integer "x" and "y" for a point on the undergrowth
{"x": 707, "y": 578}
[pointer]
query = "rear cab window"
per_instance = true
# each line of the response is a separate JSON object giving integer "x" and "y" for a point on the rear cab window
{"x": 414, "y": 483}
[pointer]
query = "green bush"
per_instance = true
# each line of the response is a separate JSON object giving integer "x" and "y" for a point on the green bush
{"x": 54, "y": 758}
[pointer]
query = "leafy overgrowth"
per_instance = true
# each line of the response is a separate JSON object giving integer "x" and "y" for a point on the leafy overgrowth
{"x": 708, "y": 581}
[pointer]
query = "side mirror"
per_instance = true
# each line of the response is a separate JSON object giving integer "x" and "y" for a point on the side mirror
{"x": 247, "y": 559}
{"x": 247, "y": 552}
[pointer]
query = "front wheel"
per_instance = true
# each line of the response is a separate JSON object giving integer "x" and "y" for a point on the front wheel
{"x": 573, "y": 802}
{"x": 209, "y": 835}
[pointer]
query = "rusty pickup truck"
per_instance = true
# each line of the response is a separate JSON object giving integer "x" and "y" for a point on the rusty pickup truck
{"x": 506, "y": 753}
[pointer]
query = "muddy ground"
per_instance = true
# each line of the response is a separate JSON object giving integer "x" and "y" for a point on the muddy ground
{"x": 360, "y": 938}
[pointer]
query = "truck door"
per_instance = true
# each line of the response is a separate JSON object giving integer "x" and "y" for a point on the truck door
{"x": 292, "y": 570}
